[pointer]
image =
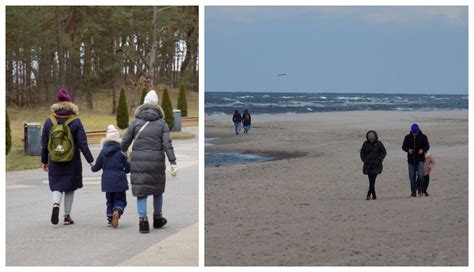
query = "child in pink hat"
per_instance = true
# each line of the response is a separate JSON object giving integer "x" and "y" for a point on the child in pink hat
{"x": 115, "y": 167}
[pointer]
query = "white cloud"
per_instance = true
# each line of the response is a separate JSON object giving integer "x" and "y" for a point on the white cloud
{"x": 456, "y": 15}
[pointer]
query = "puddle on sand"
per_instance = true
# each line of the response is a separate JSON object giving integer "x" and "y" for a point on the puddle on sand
{"x": 232, "y": 158}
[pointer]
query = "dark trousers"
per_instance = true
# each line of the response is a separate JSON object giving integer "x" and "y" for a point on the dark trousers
{"x": 116, "y": 200}
{"x": 372, "y": 186}
{"x": 426, "y": 181}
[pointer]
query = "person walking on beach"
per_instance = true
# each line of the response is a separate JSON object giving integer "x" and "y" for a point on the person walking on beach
{"x": 115, "y": 167}
{"x": 246, "y": 121}
{"x": 372, "y": 154}
{"x": 151, "y": 141}
{"x": 416, "y": 145}
{"x": 62, "y": 140}
{"x": 428, "y": 166}
{"x": 237, "y": 119}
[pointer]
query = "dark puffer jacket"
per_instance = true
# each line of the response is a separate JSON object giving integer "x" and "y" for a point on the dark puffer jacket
{"x": 115, "y": 167}
{"x": 246, "y": 119}
{"x": 416, "y": 143}
{"x": 372, "y": 154}
{"x": 148, "y": 165}
{"x": 237, "y": 118}
{"x": 65, "y": 176}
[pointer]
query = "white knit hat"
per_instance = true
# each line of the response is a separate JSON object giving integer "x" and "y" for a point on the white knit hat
{"x": 112, "y": 132}
{"x": 151, "y": 98}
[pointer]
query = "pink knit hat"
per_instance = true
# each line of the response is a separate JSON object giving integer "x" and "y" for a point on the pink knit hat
{"x": 63, "y": 96}
{"x": 112, "y": 132}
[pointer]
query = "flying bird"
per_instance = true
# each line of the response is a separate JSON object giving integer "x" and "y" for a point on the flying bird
{"x": 281, "y": 75}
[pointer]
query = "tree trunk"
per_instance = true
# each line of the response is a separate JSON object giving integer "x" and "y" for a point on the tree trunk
{"x": 28, "y": 75}
{"x": 154, "y": 45}
{"x": 60, "y": 50}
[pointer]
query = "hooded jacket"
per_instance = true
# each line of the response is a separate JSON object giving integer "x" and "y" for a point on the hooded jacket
{"x": 147, "y": 168}
{"x": 372, "y": 154}
{"x": 114, "y": 165}
{"x": 65, "y": 176}
{"x": 416, "y": 143}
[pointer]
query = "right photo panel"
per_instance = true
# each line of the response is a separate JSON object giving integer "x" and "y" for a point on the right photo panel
{"x": 336, "y": 136}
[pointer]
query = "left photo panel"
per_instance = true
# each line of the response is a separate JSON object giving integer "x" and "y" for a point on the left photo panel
{"x": 102, "y": 135}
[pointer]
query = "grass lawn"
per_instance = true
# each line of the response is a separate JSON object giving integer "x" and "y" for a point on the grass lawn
{"x": 96, "y": 119}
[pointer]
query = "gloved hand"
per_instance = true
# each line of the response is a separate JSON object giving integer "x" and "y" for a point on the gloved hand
{"x": 173, "y": 170}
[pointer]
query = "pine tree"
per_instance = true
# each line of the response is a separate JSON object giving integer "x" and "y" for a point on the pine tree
{"x": 122, "y": 110}
{"x": 142, "y": 99}
{"x": 8, "y": 133}
{"x": 168, "y": 109}
{"x": 182, "y": 101}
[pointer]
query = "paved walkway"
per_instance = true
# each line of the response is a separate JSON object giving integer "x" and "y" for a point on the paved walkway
{"x": 32, "y": 240}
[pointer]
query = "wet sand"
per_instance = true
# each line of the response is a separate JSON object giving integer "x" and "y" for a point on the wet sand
{"x": 309, "y": 207}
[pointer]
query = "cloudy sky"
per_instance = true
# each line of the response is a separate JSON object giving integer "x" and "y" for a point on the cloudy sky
{"x": 337, "y": 49}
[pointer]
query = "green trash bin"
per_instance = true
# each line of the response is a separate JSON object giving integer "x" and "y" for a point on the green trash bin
{"x": 32, "y": 139}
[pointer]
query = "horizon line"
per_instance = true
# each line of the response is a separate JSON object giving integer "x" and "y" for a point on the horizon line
{"x": 467, "y": 93}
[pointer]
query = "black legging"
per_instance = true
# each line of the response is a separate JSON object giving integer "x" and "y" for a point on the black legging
{"x": 372, "y": 186}
{"x": 426, "y": 181}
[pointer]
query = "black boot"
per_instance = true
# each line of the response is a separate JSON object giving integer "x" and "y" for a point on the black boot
{"x": 144, "y": 226}
{"x": 368, "y": 196}
{"x": 159, "y": 221}
{"x": 373, "y": 196}
{"x": 55, "y": 214}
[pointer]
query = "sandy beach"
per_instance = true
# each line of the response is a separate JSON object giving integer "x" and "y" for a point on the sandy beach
{"x": 309, "y": 207}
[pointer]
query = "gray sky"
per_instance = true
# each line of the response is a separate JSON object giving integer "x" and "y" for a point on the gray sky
{"x": 337, "y": 49}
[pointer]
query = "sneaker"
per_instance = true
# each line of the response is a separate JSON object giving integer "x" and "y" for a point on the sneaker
{"x": 413, "y": 195}
{"x": 144, "y": 227}
{"x": 159, "y": 221}
{"x": 55, "y": 214}
{"x": 426, "y": 194}
{"x": 109, "y": 221}
{"x": 115, "y": 218}
{"x": 68, "y": 220}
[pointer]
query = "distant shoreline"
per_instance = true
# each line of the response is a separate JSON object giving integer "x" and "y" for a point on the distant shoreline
{"x": 207, "y": 115}
{"x": 376, "y": 93}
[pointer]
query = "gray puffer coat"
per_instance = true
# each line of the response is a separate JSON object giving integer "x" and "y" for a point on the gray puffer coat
{"x": 147, "y": 166}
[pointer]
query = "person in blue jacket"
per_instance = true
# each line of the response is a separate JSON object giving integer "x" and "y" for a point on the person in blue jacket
{"x": 115, "y": 167}
{"x": 64, "y": 177}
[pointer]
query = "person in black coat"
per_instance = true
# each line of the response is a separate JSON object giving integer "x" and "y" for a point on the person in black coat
{"x": 64, "y": 177}
{"x": 372, "y": 154}
{"x": 115, "y": 167}
{"x": 246, "y": 121}
{"x": 237, "y": 119}
{"x": 416, "y": 145}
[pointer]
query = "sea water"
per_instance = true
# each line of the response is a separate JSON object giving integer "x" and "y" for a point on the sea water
{"x": 227, "y": 102}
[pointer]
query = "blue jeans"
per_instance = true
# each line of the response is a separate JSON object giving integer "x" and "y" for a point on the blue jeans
{"x": 415, "y": 171}
{"x": 247, "y": 128}
{"x": 237, "y": 127}
{"x": 157, "y": 205}
{"x": 116, "y": 200}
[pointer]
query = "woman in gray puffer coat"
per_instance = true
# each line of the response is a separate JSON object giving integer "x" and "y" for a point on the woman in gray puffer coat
{"x": 151, "y": 140}
{"x": 372, "y": 154}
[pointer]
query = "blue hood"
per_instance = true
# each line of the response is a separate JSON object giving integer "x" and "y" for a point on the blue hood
{"x": 110, "y": 148}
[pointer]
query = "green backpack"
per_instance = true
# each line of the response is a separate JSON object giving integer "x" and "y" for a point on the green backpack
{"x": 61, "y": 142}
